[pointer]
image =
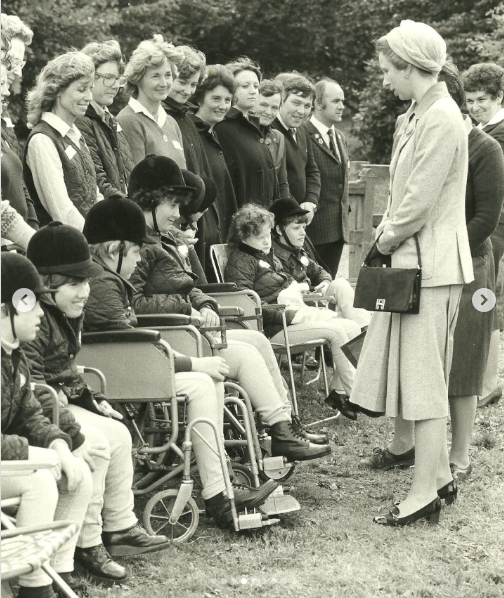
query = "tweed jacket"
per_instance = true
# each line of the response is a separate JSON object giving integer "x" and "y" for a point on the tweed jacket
{"x": 497, "y": 132}
{"x": 299, "y": 264}
{"x": 302, "y": 171}
{"x": 249, "y": 161}
{"x": 330, "y": 222}
{"x": 428, "y": 176}
{"x": 275, "y": 142}
{"x": 23, "y": 422}
{"x": 110, "y": 151}
{"x": 163, "y": 280}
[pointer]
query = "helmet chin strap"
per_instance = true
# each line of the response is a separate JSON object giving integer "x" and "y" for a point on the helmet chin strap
{"x": 10, "y": 307}
{"x": 286, "y": 238}
{"x": 121, "y": 255}
{"x": 154, "y": 220}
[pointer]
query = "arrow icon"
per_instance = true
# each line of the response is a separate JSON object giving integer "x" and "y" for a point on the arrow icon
{"x": 485, "y": 299}
{"x": 23, "y": 299}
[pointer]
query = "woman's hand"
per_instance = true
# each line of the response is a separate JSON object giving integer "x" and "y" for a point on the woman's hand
{"x": 377, "y": 259}
{"x": 310, "y": 206}
{"x": 215, "y": 367}
{"x": 70, "y": 466}
{"x": 107, "y": 410}
{"x": 210, "y": 318}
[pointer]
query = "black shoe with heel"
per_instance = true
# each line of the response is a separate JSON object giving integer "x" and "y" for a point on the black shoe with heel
{"x": 340, "y": 402}
{"x": 448, "y": 492}
{"x": 431, "y": 512}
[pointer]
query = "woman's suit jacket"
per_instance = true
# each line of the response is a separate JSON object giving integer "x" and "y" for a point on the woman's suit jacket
{"x": 428, "y": 175}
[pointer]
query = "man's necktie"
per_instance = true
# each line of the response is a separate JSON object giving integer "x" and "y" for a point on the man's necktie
{"x": 332, "y": 144}
{"x": 292, "y": 131}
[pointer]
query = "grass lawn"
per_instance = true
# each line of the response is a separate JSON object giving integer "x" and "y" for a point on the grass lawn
{"x": 331, "y": 548}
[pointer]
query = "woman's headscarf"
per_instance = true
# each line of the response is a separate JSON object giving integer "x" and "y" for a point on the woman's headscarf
{"x": 419, "y": 45}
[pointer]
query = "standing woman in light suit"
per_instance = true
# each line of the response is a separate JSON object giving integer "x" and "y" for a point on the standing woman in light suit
{"x": 406, "y": 359}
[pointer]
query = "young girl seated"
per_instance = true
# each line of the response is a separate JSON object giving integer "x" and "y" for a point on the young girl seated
{"x": 28, "y": 435}
{"x": 164, "y": 283}
{"x": 253, "y": 265}
{"x": 61, "y": 255}
{"x": 289, "y": 235}
{"x": 115, "y": 228}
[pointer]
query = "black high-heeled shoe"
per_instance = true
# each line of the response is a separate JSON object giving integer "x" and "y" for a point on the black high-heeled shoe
{"x": 430, "y": 512}
{"x": 449, "y": 492}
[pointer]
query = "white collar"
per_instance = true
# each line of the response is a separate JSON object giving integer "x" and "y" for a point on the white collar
{"x": 137, "y": 107}
{"x": 283, "y": 124}
{"x": 8, "y": 347}
{"x": 60, "y": 125}
{"x": 493, "y": 121}
{"x": 321, "y": 127}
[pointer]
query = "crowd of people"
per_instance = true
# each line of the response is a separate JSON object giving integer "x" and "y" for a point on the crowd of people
{"x": 114, "y": 215}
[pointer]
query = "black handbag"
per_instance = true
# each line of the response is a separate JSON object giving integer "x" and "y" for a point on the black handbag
{"x": 394, "y": 290}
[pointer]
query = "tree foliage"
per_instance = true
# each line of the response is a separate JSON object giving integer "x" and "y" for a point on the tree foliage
{"x": 320, "y": 37}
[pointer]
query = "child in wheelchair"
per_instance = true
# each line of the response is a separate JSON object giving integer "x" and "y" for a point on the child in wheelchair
{"x": 164, "y": 284}
{"x": 46, "y": 495}
{"x": 61, "y": 255}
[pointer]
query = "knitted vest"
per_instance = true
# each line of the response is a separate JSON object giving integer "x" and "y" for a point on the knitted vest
{"x": 78, "y": 172}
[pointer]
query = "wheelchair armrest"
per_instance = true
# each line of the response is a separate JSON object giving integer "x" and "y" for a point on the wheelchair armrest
{"x": 121, "y": 336}
{"x": 218, "y": 287}
{"x": 312, "y": 296}
{"x": 20, "y": 467}
{"x": 230, "y": 311}
{"x": 153, "y": 320}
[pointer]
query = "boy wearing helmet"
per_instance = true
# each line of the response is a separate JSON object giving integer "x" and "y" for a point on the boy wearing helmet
{"x": 61, "y": 255}
{"x": 28, "y": 435}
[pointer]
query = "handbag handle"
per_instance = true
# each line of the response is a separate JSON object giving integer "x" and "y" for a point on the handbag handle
{"x": 364, "y": 263}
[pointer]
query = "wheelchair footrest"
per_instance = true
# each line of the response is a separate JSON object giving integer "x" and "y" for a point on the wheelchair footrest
{"x": 254, "y": 520}
{"x": 279, "y": 502}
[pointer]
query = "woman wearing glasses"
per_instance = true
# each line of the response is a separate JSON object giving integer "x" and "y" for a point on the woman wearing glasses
{"x": 103, "y": 134}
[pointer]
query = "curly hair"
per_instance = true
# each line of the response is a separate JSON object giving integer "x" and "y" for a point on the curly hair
{"x": 193, "y": 62}
{"x": 298, "y": 85}
{"x": 270, "y": 87}
{"x": 13, "y": 26}
{"x": 487, "y": 77}
{"x": 56, "y": 76}
{"x": 55, "y": 281}
{"x": 451, "y": 76}
{"x": 249, "y": 220}
{"x": 101, "y": 52}
{"x": 243, "y": 63}
{"x": 148, "y": 199}
{"x": 150, "y": 52}
{"x": 215, "y": 75}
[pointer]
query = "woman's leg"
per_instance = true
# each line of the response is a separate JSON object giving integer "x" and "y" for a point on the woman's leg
{"x": 463, "y": 414}
{"x": 490, "y": 379}
{"x": 337, "y": 332}
{"x": 262, "y": 344}
{"x": 248, "y": 367}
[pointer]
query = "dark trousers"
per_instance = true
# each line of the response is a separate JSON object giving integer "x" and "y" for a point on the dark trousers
{"x": 330, "y": 255}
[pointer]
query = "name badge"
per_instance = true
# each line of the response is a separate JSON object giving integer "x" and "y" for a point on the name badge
{"x": 70, "y": 152}
{"x": 176, "y": 144}
{"x": 8, "y": 122}
{"x": 264, "y": 264}
{"x": 119, "y": 128}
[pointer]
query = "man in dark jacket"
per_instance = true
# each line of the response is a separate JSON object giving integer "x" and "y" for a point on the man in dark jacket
{"x": 104, "y": 137}
{"x": 27, "y": 434}
{"x": 302, "y": 170}
{"x": 329, "y": 228}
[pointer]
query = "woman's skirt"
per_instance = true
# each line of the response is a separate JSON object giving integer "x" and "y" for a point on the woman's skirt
{"x": 405, "y": 362}
{"x": 472, "y": 333}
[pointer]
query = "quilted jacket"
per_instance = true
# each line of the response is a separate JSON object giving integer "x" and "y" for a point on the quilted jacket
{"x": 109, "y": 306}
{"x": 110, "y": 152}
{"x": 79, "y": 173}
{"x": 163, "y": 280}
{"x": 52, "y": 361}
{"x": 299, "y": 264}
{"x": 23, "y": 422}
{"x": 251, "y": 268}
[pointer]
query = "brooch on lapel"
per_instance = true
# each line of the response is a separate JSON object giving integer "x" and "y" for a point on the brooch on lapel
{"x": 264, "y": 264}
{"x": 316, "y": 135}
{"x": 304, "y": 260}
{"x": 321, "y": 141}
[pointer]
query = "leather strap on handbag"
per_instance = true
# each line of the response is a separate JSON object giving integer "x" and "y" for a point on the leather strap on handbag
{"x": 393, "y": 290}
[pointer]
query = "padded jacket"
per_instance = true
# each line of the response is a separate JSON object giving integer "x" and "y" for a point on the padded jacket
{"x": 163, "y": 280}
{"x": 52, "y": 361}
{"x": 251, "y": 268}
{"x": 23, "y": 422}
{"x": 299, "y": 265}
{"x": 109, "y": 150}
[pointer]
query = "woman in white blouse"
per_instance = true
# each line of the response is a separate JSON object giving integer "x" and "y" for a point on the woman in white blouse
{"x": 58, "y": 168}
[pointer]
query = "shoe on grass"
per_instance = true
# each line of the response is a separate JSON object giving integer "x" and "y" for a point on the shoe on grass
{"x": 383, "y": 459}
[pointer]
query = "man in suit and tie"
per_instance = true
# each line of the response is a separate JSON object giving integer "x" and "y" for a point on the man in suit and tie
{"x": 302, "y": 172}
{"x": 329, "y": 228}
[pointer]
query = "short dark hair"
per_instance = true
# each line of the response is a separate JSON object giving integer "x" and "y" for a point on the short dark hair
{"x": 215, "y": 75}
{"x": 298, "y": 85}
{"x": 155, "y": 197}
{"x": 487, "y": 77}
{"x": 249, "y": 220}
{"x": 451, "y": 76}
{"x": 320, "y": 88}
{"x": 270, "y": 87}
{"x": 243, "y": 63}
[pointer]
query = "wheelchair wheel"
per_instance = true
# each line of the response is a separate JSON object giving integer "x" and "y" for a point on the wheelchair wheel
{"x": 242, "y": 474}
{"x": 157, "y": 513}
